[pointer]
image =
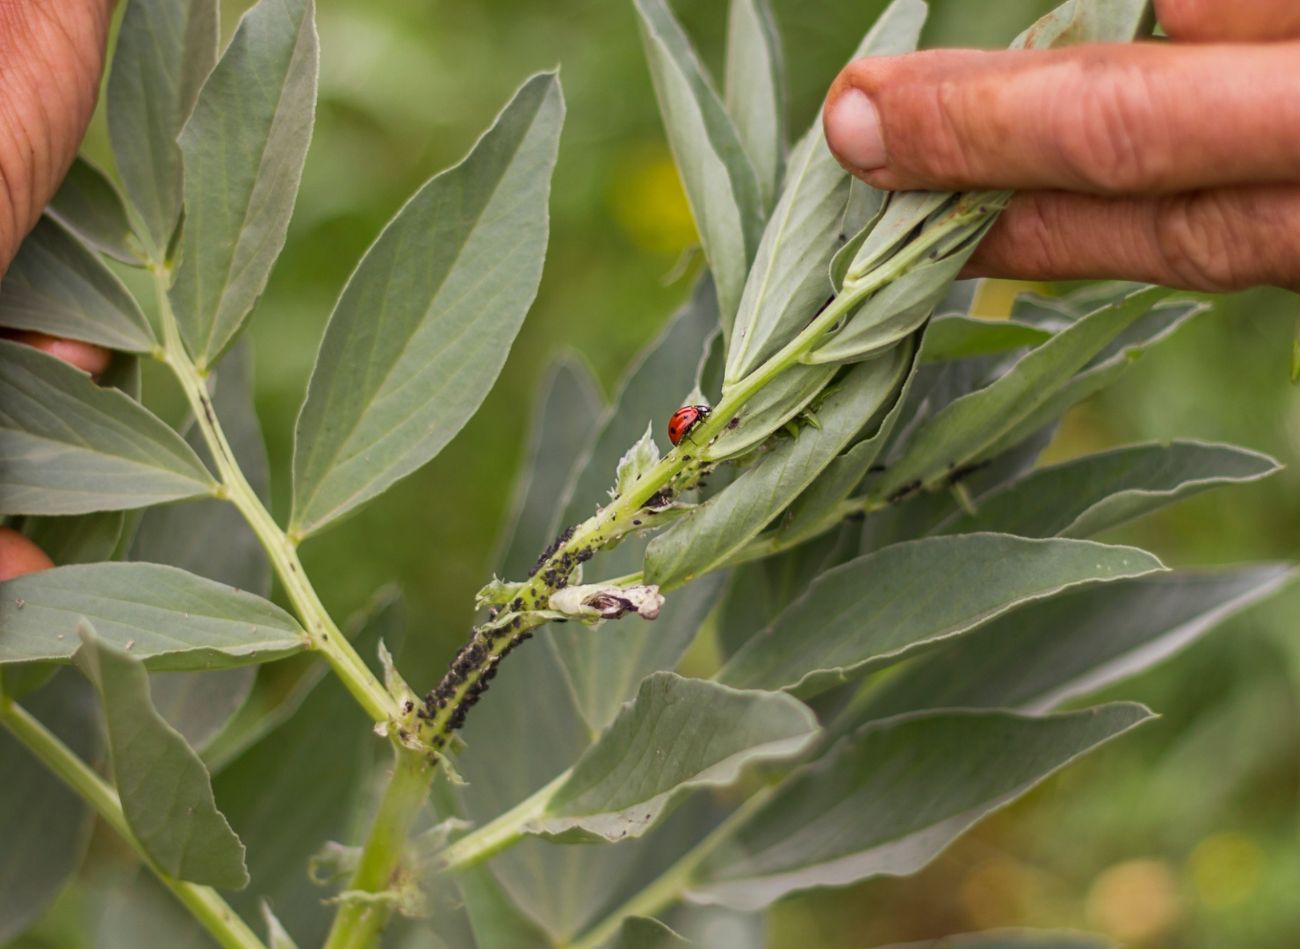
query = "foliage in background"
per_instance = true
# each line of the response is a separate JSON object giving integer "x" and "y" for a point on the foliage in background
{"x": 579, "y": 885}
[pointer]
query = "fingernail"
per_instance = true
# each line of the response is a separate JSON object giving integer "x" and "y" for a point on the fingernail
{"x": 853, "y": 130}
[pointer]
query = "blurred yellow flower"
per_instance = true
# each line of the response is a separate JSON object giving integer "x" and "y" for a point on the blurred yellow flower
{"x": 1225, "y": 868}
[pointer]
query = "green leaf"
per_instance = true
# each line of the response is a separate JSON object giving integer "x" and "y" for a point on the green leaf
{"x": 788, "y": 280}
{"x": 638, "y": 460}
{"x": 44, "y": 824}
{"x": 243, "y": 146}
{"x": 1076, "y": 643}
{"x": 71, "y": 447}
{"x": 716, "y": 530}
{"x": 967, "y": 427}
{"x": 277, "y": 937}
{"x": 808, "y": 514}
{"x": 755, "y": 90}
{"x": 77, "y": 538}
{"x": 494, "y": 919}
{"x": 568, "y": 411}
{"x": 56, "y": 286}
{"x": 1089, "y": 21}
{"x": 900, "y": 215}
{"x": 199, "y": 704}
{"x": 165, "y": 789}
{"x": 1090, "y": 494}
{"x": 87, "y": 203}
{"x": 898, "y": 309}
{"x": 638, "y": 932}
{"x": 1014, "y": 939}
{"x": 961, "y": 337}
{"x": 165, "y": 50}
{"x": 875, "y": 610}
{"x": 163, "y": 616}
{"x": 771, "y": 407}
{"x": 888, "y": 799}
{"x": 720, "y": 183}
{"x": 1104, "y": 370}
{"x": 426, "y": 320}
{"x": 677, "y": 734}
{"x": 302, "y": 784}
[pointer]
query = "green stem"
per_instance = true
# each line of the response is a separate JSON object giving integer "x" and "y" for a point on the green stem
{"x": 669, "y": 886}
{"x": 280, "y": 548}
{"x": 359, "y": 922}
{"x": 203, "y": 902}
{"x": 501, "y": 832}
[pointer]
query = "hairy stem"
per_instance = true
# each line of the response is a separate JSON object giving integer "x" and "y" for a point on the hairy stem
{"x": 669, "y": 886}
{"x": 203, "y": 902}
{"x": 321, "y": 629}
{"x": 358, "y": 923}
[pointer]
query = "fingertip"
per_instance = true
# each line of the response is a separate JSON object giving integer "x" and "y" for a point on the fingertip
{"x": 87, "y": 357}
{"x": 853, "y": 130}
{"x": 19, "y": 556}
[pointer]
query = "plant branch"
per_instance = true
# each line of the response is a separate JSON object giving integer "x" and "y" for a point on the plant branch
{"x": 358, "y": 922}
{"x": 669, "y": 886}
{"x": 203, "y": 902}
{"x": 321, "y": 629}
{"x": 501, "y": 832}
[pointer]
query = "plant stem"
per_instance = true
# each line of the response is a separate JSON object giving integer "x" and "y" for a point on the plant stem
{"x": 669, "y": 886}
{"x": 501, "y": 832}
{"x": 359, "y": 922}
{"x": 321, "y": 630}
{"x": 203, "y": 902}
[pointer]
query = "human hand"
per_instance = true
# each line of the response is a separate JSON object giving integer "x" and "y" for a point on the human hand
{"x": 51, "y": 57}
{"x": 1174, "y": 163}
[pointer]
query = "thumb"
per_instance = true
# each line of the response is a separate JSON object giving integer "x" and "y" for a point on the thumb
{"x": 52, "y": 53}
{"x": 1103, "y": 119}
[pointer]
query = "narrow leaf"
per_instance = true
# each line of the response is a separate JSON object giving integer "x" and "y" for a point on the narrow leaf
{"x": 165, "y": 789}
{"x": 164, "y": 51}
{"x": 638, "y": 932}
{"x": 973, "y": 423}
{"x": 44, "y": 824}
{"x": 1090, "y": 494}
{"x": 56, "y": 286}
{"x": 243, "y": 148}
{"x": 677, "y": 734}
{"x": 875, "y": 610}
{"x": 898, "y": 309}
{"x": 788, "y": 281}
{"x": 568, "y": 410}
{"x": 426, "y": 320}
{"x": 277, "y": 937}
{"x": 1077, "y": 643}
{"x": 961, "y": 337}
{"x": 775, "y": 404}
{"x": 638, "y": 460}
{"x": 720, "y": 183}
{"x": 889, "y": 798}
{"x": 71, "y": 447}
{"x": 77, "y": 538}
{"x": 715, "y": 530}
{"x": 87, "y": 204}
{"x": 1089, "y": 21}
{"x": 808, "y": 514}
{"x": 163, "y": 616}
{"x": 755, "y": 90}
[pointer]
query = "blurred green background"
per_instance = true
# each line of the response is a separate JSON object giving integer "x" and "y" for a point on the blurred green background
{"x": 1184, "y": 835}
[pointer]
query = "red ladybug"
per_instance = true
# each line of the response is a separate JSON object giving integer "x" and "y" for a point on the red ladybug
{"x": 685, "y": 419}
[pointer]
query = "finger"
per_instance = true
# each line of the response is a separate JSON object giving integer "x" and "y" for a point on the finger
{"x": 18, "y": 555}
{"x": 51, "y": 53}
{"x": 1217, "y": 240}
{"x": 85, "y": 356}
{"x": 1209, "y": 20}
{"x": 1108, "y": 119}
